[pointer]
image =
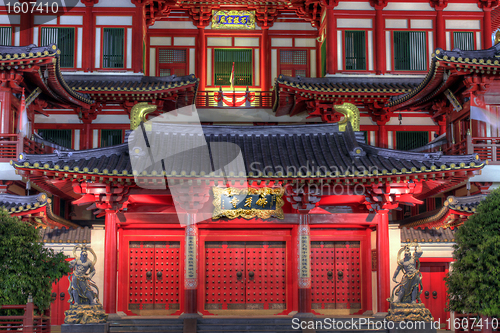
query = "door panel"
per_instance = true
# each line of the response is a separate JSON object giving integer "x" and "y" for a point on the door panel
{"x": 154, "y": 276}
{"x": 245, "y": 275}
{"x": 60, "y": 299}
{"x": 434, "y": 289}
{"x": 335, "y": 275}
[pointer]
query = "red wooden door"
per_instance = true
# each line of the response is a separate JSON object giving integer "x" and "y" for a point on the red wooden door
{"x": 154, "y": 276}
{"x": 60, "y": 299}
{"x": 335, "y": 275}
{"x": 245, "y": 275}
{"x": 434, "y": 289}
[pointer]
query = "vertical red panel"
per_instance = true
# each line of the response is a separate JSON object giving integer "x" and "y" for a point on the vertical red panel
{"x": 434, "y": 289}
{"x": 323, "y": 275}
{"x": 167, "y": 275}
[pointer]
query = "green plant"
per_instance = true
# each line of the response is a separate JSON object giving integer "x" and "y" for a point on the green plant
{"x": 474, "y": 281}
{"x": 25, "y": 265}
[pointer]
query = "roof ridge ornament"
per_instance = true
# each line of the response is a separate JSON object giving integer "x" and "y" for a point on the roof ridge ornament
{"x": 351, "y": 113}
{"x": 138, "y": 113}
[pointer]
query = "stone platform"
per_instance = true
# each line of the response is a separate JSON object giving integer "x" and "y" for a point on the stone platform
{"x": 85, "y": 314}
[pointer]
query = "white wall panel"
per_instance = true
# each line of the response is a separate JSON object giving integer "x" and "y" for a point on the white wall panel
{"x": 219, "y": 41}
{"x": 354, "y": 23}
{"x": 448, "y": 40}
{"x": 10, "y": 19}
{"x": 463, "y": 24}
{"x": 396, "y": 24}
{"x": 388, "y": 53}
{"x": 292, "y": 26}
{"x": 17, "y": 36}
{"x": 79, "y": 48}
{"x": 76, "y": 141}
{"x": 173, "y": 25}
{"x": 113, "y": 20}
{"x": 478, "y": 40}
{"x": 305, "y": 42}
{"x": 35, "y": 35}
{"x": 312, "y": 61}
{"x": 71, "y": 20}
{"x": 421, "y": 24}
{"x": 247, "y": 41}
{"x": 354, "y": 5}
{"x": 339, "y": 52}
{"x": 152, "y": 61}
{"x": 274, "y": 63}
{"x": 209, "y": 67}
{"x": 281, "y": 42}
{"x": 184, "y": 41}
{"x": 95, "y": 138}
{"x": 45, "y": 19}
{"x": 129, "y": 47}
{"x": 256, "y": 67}
{"x": 462, "y": 7}
{"x": 370, "y": 50}
{"x": 192, "y": 61}
{"x": 98, "y": 47}
{"x": 410, "y": 6}
{"x": 430, "y": 39}
{"x": 160, "y": 41}
{"x": 115, "y": 3}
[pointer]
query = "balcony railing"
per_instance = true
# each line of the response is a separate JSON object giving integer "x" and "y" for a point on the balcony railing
{"x": 28, "y": 322}
{"x": 234, "y": 99}
{"x": 10, "y": 147}
{"x": 486, "y": 148}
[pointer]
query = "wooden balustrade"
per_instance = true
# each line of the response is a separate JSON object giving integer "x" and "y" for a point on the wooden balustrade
{"x": 10, "y": 146}
{"x": 233, "y": 99}
{"x": 487, "y": 148}
{"x": 28, "y": 322}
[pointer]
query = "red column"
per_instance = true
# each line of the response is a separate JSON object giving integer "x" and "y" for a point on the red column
{"x": 110, "y": 263}
{"x": 440, "y": 28}
{"x": 26, "y": 33}
{"x": 138, "y": 31}
{"x": 383, "y": 262}
{"x": 380, "y": 38}
{"x": 382, "y": 139}
{"x": 202, "y": 60}
{"x": 487, "y": 28}
{"x": 331, "y": 41}
{"x": 5, "y": 112}
{"x": 86, "y": 137}
{"x": 265, "y": 66}
{"x": 304, "y": 264}
{"x": 191, "y": 266}
{"x": 88, "y": 42}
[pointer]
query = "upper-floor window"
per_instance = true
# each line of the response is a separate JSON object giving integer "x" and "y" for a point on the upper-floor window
{"x": 6, "y": 36}
{"x": 410, "y": 51}
{"x": 64, "y": 38}
{"x": 243, "y": 67}
{"x": 111, "y": 137}
{"x": 293, "y": 62}
{"x": 408, "y": 140}
{"x": 113, "y": 42}
{"x": 61, "y": 137}
{"x": 463, "y": 40}
{"x": 172, "y": 62}
{"x": 355, "y": 50}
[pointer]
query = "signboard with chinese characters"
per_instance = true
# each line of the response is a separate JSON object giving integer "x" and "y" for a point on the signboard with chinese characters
{"x": 248, "y": 203}
{"x": 233, "y": 19}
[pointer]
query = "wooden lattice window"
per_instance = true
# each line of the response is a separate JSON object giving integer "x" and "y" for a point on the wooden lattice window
{"x": 355, "y": 50}
{"x": 172, "y": 62}
{"x": 410, "y": 51}
{"x": 463, "y": 40}
{"x": 6, "y": 36}
{"x": 293, "y": 62}
{"x": 113, "y": 42}
{"x": 111, "y": 137}
{"x": 243, "y": 67}
{"x": 64, "y": 38}
{"x": 408, "y": 140}
{"x": 60, "y": 137}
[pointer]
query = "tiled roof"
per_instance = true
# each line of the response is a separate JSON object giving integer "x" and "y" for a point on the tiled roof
{"x": 304, "y": 151}
{"x": 427, "y": 235}
{"x": 39, "y": 59}
{"x": 127, "y": 83}
{"x": 19, "y": 203}
{"x": 64, "y": 235}
{"x": 439, "y": 217}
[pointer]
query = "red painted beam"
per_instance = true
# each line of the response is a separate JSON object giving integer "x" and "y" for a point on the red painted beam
{"x": 383, "y": 262}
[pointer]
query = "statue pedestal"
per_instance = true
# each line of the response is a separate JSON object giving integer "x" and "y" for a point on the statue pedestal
{"x": 85, "y": 314}
{"x": 410, "y": 318}
{"x": 84, "y": 328}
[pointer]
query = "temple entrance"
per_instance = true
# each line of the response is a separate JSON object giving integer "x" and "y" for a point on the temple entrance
{"x": 335, "y": 277}
{"x": 434, "y": 289}
{"x": 245, "y": 275}
{"x": 154, "y": 277}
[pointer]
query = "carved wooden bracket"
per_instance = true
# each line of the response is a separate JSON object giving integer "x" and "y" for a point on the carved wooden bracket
{"x": 303, "y": 198}
{"x": 201, "y": 16}
{"x": 439, "y": 4}
{"x": 103, "y": 197}
{"x": 379, "y": 114}
{"x": 389, "y": 196}
{"x": 265, "y": 16}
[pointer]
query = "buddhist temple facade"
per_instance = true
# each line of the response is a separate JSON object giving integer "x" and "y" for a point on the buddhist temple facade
{"x": 327, "y": 134}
